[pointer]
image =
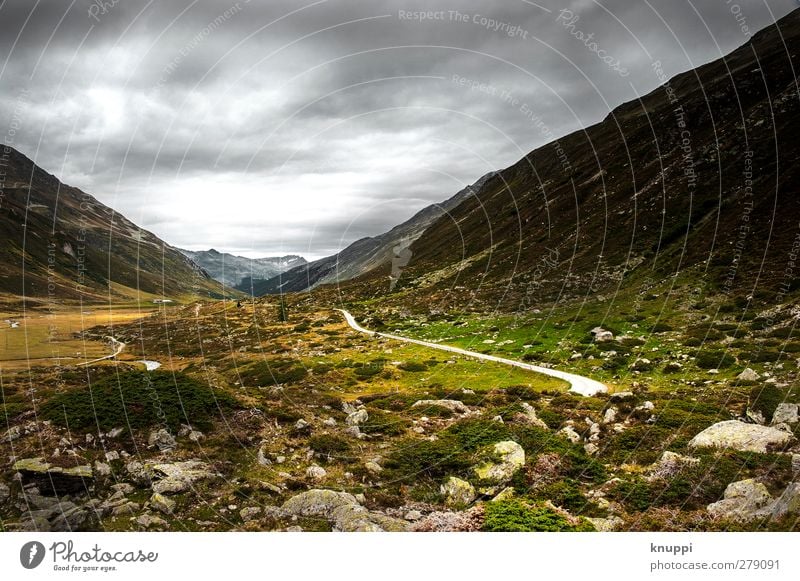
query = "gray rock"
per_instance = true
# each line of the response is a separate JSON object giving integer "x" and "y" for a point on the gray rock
{"x": 149, "y": 521}
{"x": 744, "y": 500}
{"x": 602, "y": 335}
{"x": 162, "y": 440}
{"x": 318, "y": 502}
{"x": 102, "y": 470}
{"x": 54, "y": 480}
{"x": 250, "y": 513}
{"x": 316, "y": 473}
{"x": 795, "y": 465}
{"x": 302, "y": 425}
{"x": 355, "y": 518}
{"x": 5, "y": 492}
{"x": 606, "y": 525}
{"x": 162, "y": 504}
{"x": 458, "y": 493}
{"x": 180, "y": 476}
{"x": 669, "y": 465}
{"x": 413, "y": 515}
{"x": 13, "y": 433}
{"x": 373, "y": 468}
{"x": 503, "y": 459}
{"x": 785, "y": 413}
{"x": 741, "y": 436}
{"x": 528, "y": 415}
{"x": 357, "y": 417}
{"x": 261, "y": 457}
{"x": 622, "y": 396}
{"x": 748, "y": 375}
{"x": 787, "y": 503}
{"x": 452, "y": 404}
{"x": 570, "y": 434}
{"x": 610, "y": 415}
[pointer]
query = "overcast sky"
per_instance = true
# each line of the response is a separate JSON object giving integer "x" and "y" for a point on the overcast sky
{"x": 275, "y": 127}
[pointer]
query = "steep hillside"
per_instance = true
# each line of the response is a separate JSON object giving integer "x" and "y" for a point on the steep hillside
{"x": 366, "y": 254}
{"x": 240, "y": 272}
{"x": 699, "y": 174}
{"x": 61, "y": 242}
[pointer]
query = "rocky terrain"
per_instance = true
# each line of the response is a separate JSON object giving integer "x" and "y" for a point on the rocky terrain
{"x": 239, "y": 272}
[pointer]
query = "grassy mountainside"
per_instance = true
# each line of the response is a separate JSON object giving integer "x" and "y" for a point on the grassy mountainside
{"x": 240, "y": 272}
{"x": 699, "y": 174}
{"x": 57, "y": 235}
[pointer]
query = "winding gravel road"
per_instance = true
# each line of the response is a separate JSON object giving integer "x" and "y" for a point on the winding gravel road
{"x": 579, "y": 384}
{"x": 119, "y": 347}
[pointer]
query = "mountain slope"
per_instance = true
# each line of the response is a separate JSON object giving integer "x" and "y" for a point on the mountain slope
{"x": 240, "y": 272}
{"x": 62, "y": 243}
{"x": 699, "y": 174}
{"x": 365, "y": 254}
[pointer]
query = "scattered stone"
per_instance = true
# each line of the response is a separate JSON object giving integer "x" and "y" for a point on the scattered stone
{"x": 316, "y": 473}
{"x": 457, "y": 492}
{"x": 413, "y": 515}
{"x": 748, "y": 375}
{"x": 785, "y": 413}
{"x": 461, "y": 521}
{"x": 250, "y": 513}
{"x": 743, "y": 501}
{"x": 262, "y": 456}
{"x": 162, "y": 504}
{"x": 355, "y": 518}
{"x": 302, "y": 426}
{"x": 602, "y": 335}
{"x": 5, "y": 492}
{"x": 641, "y": 364}
{"x": 788, "y": 502}
{"x": 138, "y": 473}
{"x": 669, "y": 465}
{"x": 506, "y": 494}
{"x": 373, "y": 468}
{"x": 330, "y": 422}
{"x": 13, "y": 433}
{"x": 115, "y": 433}
{"x": 111, "y": 456}
{"x": 453, "y": 405}
{"x": 162, "y": 439}
{"x": 570, "y": 434}
{"x": 503, "y": 459}
{"x": 357, "y": 417}
{"x": 125, "y": 509}
{"x": 610, "y": 415}
{"x": 102, "y": 470}
{"x": 741, "y": 436}
{"x": 591, "y": 448}
{"x": 294, "y": 529}
{"x": 149, "y": 521}
{"x": 606, "y": 525}
{"x": 180, "y": 476}
{"x": 795, "y": 465}
{"x": 54, "y": 480}
{"x": 528, "y": 416}
{"x": 122, "y": 487}
{"x": 318, "y": 502}
{"x": 354, "y": 431}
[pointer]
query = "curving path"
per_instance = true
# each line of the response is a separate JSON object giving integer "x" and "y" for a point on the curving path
{"x": 579, "y": 384}
{"x": 120, "y": 346}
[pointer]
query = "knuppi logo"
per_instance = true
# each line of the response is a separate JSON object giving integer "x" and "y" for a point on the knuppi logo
{"x": 31, "y": 554}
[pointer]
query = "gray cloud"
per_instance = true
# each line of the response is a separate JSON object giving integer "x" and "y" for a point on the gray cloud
{"x": 211, "y": 126}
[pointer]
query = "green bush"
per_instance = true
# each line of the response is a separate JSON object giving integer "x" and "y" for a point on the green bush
{"x": 381, "y": 422}
{"x": 765, "y": 398}
{"x": 714, "y": 360}
{"x": 273, "y": 372}
{"x": 139, "y": 400}
{"x": 328, "y": 445}
{"x": 518, "y": 516}
{"x": 413, "y": 366}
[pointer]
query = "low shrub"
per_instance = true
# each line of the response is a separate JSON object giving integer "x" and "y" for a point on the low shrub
{"x": 519, "y": 516}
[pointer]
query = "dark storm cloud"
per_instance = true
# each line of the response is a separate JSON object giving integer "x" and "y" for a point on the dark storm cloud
{"x": 289, "y": 126}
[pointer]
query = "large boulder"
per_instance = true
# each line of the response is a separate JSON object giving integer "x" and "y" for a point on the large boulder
{"x": 54, "y": 480}
{"x": 357, "y": 418}
{"x": 748, "y": 375}
{"x": 743, "y": 437}
{"x": 669, "y": 465}
{"x": 453, "y": 405}
{"x": 162, "y": 440}
{"x": 744, "y": 500}
{"x": 318, "y": 502}
{"x": 785, "y": 413}
{"x": 787, "y": 503}
{"x": 457, "y": 492}
{"x": 351, "y": 518}
{"x": 499, "y": 464}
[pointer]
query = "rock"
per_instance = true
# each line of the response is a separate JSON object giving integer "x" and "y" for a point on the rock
{"x": 138, "y": 473}
{"x": 162, "y": 439}
{"x": 795, "y": 465}
{"x": 610, "y": 415}
{"x": 149, "y": 521}
{"x": 373, "y": 468}
{"x": 457, "y": 492}
{"x": 330, "y": 422}
{"x": 453, "y": 405}
{"x": 102, "y": 470}
{"x": 316, "y": 473}
{"x": 622, "y": 396}
{"x": 195, "y": 436}
{"x": 785, "y": 413}
{"x": 787, "y": 503}
{"x": 354, "y": 431}
{"x": 294, "y": 529}
{"x": 70, "y": 518}
{"x": 302, "y": 426}
{"x": 591, "y": 448}
{"x": 505, "y": 494}
{"x": 669, "y": 465}
{"x": 54, "y": 480}
{"x": 122, "y": 487}
{"x": 262, "y": 456}
{"x": 355, "y": 518}
{"x": 179, "y": 476}
{"x": 115, "y": 433}
{"x": 502, "y": 461}
{"x": 413, "y": 515}
{"x": 606, "y": 525}
{"x": 743, "y": 437}
{"x": 318, "y": 502}
{"x": 601, "y": 335}
{"x": 125, "y": 509}
{"x": 111, "y": 456}
{"x": 641, "y": 364}
{"x": 13, "y": 433}
{"x": 357, "y": 417}
{"x": 162, "y": 504}
{"x": 250, "y": 513}
{"x": 743, "y": 501}
{"x": 461, "y": 521}
{"x": 748, "y": 375}
{"x": 570, "y": 434}
{"x": 528, "y": 416}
